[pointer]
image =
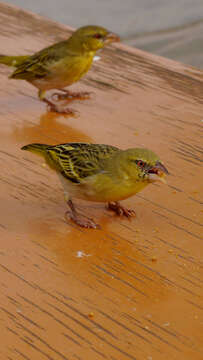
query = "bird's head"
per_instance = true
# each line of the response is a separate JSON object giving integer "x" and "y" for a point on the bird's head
{"x": 92, "y": 38}
{"x": 143, "y": 165}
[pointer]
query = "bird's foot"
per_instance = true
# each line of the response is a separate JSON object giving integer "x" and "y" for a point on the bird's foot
{"x": 61, "y": 109}
{"x": 70, "y": 96}
{"x": 81, "y": 220}
{"x": 120, "y": 210}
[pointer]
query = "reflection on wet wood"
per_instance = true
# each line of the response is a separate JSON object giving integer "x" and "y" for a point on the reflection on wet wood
{"x": 136, "y": 292}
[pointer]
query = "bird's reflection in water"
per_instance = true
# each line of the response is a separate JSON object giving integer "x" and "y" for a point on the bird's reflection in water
{"x": 52, "y": 128}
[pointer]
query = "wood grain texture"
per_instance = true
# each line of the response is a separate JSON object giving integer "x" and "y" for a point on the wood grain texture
{"x": 137, "y": 292}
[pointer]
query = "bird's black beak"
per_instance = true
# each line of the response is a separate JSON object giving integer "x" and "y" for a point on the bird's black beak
{"x": 111, "y": 37}
{"x": 158, "y": 172}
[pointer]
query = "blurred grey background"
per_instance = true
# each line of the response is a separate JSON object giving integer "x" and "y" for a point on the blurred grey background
{"x": 171, "y": 28}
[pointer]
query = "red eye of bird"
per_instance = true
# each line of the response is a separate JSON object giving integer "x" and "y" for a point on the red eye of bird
{"x": 97, "y": 36}
{"x": 141, "y": 163}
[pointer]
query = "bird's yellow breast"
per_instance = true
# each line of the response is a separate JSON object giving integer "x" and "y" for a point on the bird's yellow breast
{"x": 65, "y": 72}
{"x": 103, "y": 188}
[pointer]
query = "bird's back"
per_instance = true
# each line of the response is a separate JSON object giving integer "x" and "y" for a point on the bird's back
{"x": 36, "y": 65}
{"x": 80, "y": 160}
{"x": 54, "y": 67}
{"x": 75, "y": 161}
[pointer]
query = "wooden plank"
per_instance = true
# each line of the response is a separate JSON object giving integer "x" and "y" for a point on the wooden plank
{"x": 137, "y": 291}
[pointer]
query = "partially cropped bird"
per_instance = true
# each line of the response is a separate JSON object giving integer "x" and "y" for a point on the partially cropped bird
{"x": 102, "y": 173}
{"x": 61, "y": 64}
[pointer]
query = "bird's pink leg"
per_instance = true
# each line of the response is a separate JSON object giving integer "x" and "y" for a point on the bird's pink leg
{"x": 53, "y": 106}
{"x": 120, "y": 210}
{"x": 79, "y": 219}
{"x": 58, "y": 108}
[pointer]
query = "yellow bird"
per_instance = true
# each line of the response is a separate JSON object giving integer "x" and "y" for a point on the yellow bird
{"x": 101, "y": 173}
{"x": 61, "y": 64}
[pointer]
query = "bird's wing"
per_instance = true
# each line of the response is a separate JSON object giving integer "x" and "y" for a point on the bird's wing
{"x": 37, "y": 65}
{"x": 76, "y": 161}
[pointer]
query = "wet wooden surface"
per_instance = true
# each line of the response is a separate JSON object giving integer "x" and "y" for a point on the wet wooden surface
{"x": 136, "y": 292}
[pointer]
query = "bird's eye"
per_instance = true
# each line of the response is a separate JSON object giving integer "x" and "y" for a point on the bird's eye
{"x": 141, "y": 163}
{"x": 97, "y": 36}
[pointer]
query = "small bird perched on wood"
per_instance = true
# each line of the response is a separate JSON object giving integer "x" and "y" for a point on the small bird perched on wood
{"x": 61, "y": 64}
{"x": 102, "y": 173}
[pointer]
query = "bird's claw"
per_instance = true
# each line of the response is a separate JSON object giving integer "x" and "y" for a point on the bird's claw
{"x": 81, "y": 221}
{"x": 67, "y": 95}
{"x": 52, "y": 106}
{"x": 55, "y": 97}
{"x": 61, "y": 109}
{"x": 121, "y": 210}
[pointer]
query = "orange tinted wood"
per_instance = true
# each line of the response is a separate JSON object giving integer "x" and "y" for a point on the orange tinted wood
{"x": 136, "y": 292}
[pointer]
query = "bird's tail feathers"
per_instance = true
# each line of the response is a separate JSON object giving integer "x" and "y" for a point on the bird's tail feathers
{"x": 39, "y": 149}
{"x": 14, "y": 61}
